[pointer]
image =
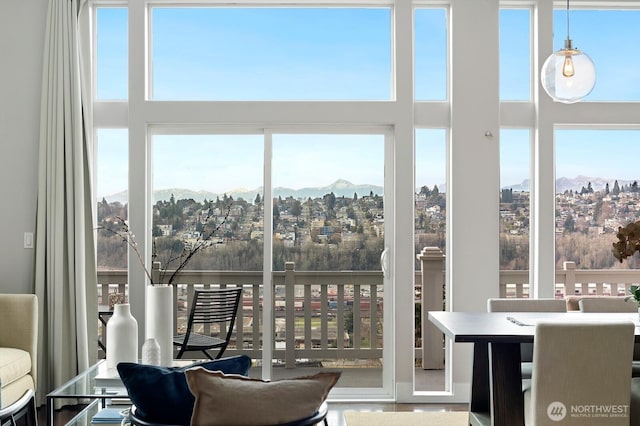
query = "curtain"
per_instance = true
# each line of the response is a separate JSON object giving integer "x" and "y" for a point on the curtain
{"x": 65, "y": 272}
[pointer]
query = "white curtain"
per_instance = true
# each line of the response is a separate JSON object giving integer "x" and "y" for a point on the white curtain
{"x": 65, "y": 273}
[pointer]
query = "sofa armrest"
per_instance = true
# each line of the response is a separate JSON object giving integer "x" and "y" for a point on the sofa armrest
{"x": 19, "y": 325}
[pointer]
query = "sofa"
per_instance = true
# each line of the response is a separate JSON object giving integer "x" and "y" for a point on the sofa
{"x": 18, "y": 346}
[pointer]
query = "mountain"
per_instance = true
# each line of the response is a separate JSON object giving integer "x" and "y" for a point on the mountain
{"x": 341, "y": 188}
{"x": 344, "y": 188}
{"x": 566, "y": 184}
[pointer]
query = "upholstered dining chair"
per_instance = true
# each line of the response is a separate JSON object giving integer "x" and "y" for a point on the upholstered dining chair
{"x": 215, "y": 308}
{"x": 614, "y": 304}
{"x": 526, "y": 305}
{"x": 607, "y": 304}
{"x": 579, "y": 365}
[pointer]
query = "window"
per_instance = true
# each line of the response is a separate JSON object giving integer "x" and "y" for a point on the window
{"x": 612, "y": 49}
{"x": 112, "y": 51}
{"x": 596, "y": 192}
{"x": 305, "y": 92}
{"x": 196, "y": 180}
{"x": 111, "y": 190}
{"x": 515, "y": 203}
{"x": 515, "y": 54}
{"x": 430, "y": 54}
{"x": 271, "y": 53}
{"x": 430, "y": 227}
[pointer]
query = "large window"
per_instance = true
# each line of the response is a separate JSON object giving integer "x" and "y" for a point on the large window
{"x": 345, "y": 138}
{"x": 270, "y": 53}
{"x": 596, "y": 192}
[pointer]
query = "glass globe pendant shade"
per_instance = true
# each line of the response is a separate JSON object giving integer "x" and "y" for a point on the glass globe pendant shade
{"x": 568, "y": 75}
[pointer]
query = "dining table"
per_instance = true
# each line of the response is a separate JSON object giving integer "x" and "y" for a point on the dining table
{"x": 496, "y": 396}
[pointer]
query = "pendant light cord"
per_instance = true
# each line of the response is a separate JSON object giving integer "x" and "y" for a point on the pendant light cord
{"x": 568, "y": 38}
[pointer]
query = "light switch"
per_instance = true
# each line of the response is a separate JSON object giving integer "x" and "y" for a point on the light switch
{"x": 28, "y": 240}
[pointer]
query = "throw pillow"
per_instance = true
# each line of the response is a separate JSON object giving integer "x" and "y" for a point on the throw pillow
{"x": 232, "y": 400}
{"x": 161, "y": 394}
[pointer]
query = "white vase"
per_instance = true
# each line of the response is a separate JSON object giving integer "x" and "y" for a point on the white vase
{"x": 159, "y": 316}
{"x": 122, "y": 337}
{"x": 151, "y": 352}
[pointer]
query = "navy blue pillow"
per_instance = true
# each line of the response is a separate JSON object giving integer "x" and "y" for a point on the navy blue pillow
{"x": 161, "y": 394}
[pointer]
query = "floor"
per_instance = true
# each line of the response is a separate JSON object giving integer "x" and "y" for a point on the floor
{"x": 335, "y": 416}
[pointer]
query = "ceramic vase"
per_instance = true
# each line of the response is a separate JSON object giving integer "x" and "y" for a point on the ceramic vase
{"x": 122, "y": 337}
{"x": 151, "y": 352}
{"x": 159, "y": 316}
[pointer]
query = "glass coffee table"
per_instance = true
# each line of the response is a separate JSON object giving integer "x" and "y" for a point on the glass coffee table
{"x": 85, "y": 386}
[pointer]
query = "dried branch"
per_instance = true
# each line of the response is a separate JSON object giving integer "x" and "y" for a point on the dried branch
{"x": 189, "y": 249}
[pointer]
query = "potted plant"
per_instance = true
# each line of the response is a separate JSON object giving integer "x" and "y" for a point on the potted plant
{"x": 627, "y": 245}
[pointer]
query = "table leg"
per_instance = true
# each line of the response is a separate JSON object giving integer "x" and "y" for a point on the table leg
{"x": 480, "y": 395}
{"x": 50, "y": 418}
{"x": 507, "y": 402}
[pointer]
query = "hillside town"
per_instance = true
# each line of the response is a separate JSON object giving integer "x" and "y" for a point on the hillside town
{"x": 347, "y": 232}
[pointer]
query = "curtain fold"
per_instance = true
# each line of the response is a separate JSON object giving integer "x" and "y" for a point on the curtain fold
{"x": 65, "y": 272}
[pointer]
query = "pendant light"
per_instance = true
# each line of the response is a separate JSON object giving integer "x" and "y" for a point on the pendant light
{"x": 568, "y": 75}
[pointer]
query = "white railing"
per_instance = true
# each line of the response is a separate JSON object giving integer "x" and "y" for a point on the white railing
{"x": 317, "y": 314}
{"x": 338, "y": 315}
{"x": 572, "y": 281}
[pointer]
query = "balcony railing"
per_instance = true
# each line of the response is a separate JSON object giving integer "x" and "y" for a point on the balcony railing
{"x": 338, "y": 315}
{"x": 317, "y": 315}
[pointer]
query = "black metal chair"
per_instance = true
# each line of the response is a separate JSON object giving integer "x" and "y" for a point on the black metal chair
{"x": 210, "y": 308}
{"x": 24, "y": 408}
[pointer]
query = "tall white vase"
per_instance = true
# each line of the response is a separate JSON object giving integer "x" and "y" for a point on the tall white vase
{"x": 159, "y": 316}
{"x": 122, "y": 337}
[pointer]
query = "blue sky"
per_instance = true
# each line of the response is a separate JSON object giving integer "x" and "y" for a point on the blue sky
{"x": 285, "y": 54}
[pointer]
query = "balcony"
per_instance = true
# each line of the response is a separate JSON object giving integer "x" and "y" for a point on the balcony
{"x": 333, "y": 319}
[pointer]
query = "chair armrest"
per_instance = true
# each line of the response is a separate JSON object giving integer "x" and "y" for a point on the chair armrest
{"x": 19, "y": 325}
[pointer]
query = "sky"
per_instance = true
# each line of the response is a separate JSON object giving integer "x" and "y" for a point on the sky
{"x": 344, "y": 54}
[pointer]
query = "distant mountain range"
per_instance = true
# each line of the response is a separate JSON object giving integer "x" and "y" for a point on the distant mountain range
{"x": 344, "y": 188}
{"x": 341, "y": 188}
{"x": 566, "y": 184}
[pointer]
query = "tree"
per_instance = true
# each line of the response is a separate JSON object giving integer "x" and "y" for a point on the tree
{"x": 616, "y": 188}
{"x": 569, "y": 224}
{"x": 507, "y": 195}
{"x": 296, "y": 208}
{"x": 257, "y": 200}
{"x": 424, "y": 190}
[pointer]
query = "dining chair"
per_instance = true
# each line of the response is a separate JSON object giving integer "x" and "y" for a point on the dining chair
{"x": 607, "y": 304}
{"x": 581, "y": 374}
{"x": 614, "y": 304}
{"x": 210, "y": 309}
{"x": 526, "y": 305}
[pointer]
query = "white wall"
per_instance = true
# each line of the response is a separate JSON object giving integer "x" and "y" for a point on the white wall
{"x": 22, "y": 26}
